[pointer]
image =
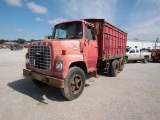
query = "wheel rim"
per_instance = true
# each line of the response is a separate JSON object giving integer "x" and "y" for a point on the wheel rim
{"x": 76, "y": 84}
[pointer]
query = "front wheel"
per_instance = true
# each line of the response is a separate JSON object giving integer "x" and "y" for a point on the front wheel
{"x": 74, "y": 83}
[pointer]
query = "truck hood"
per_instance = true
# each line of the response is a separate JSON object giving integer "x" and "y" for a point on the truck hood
{"x": 72, "y": 47}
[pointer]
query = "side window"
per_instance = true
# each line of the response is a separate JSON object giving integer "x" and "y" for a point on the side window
{"x": 132, "y": 51}
{"x": 89, "y": 33}
{"x": 137, "y": 51}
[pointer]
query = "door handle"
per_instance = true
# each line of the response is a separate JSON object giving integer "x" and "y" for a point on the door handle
{"x": 96, "y": 47}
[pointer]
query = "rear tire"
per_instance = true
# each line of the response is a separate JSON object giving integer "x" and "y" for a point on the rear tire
{"x": 125, "y": 60}
{"x": 109, "y": 70}
{"x": 145, "y": 60}
{"x": 121, "y": 64}
{"x": 73, "y": 83}
{"x": 114, "y": 68}
{"x": 135, "y": 61}
{"x": 38, "y": 83}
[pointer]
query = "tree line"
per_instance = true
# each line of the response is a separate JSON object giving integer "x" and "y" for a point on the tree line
{"x": 19, "y": 41}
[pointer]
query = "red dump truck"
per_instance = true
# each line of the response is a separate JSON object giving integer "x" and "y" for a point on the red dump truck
{"x": 76, "y": 48}
{"x": 155, "y": 54}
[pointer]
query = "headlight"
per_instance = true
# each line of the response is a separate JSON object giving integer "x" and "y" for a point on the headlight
{"x": 59, "y": 66}
{"x": 27, "y": 61}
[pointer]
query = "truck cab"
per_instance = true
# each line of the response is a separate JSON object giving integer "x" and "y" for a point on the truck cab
{"x": 133, "y": 54}
{"x": 63, "y": 60}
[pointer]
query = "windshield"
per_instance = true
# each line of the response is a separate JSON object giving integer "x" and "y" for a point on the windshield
{"x": 127, "y": 49}
{"x": 70, "y": 30}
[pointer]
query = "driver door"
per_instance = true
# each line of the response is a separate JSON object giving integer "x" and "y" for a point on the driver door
{"x": 91, "y": 47}
{"x": 132, "y": 55}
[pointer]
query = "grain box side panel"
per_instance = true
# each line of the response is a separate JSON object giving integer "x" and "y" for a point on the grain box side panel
{"x": 114, "y": 41}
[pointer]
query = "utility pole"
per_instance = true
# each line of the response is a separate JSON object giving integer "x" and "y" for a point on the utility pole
{"x": 156, "y": 42}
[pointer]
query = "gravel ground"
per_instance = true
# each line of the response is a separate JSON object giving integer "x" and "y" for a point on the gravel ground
{"x": 133, "y": 95}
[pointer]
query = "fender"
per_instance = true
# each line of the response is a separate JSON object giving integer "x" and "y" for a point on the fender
{"x": 66, "y": 61}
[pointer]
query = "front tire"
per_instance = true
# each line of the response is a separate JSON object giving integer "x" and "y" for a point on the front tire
{"x": 73, "y": 83}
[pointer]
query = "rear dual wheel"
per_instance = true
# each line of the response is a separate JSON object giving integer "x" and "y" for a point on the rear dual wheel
{"x": 114, "y": 68}
{"x": 121, "y": 64}
{"x": 109, "y": 70}
{"x": 125, "y": 60}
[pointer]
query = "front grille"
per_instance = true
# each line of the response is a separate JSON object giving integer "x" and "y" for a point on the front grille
{"x": 40, "y": 57}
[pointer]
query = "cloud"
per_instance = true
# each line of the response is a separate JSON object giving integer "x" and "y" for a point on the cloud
{"x": 34, "y": 34}
{"x": 39, "y": 19}
{"x": 144, "y": 21}
{"x": 157, "y": 22}
{"x": 146, "y": 30}
{"x": 37, "y": 8}
{"x": 14, "y": 3}
{"x": 55, "y": 21}
{"x": 73, "y": 5}
{"x": 25, "y": 32}
{"x": 142, "y": 18}
{"x": 18, "y": 30}
{"x": 78, "y": 9}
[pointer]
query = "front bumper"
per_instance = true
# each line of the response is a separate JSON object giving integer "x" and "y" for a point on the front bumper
{"x": 44, "y": 78}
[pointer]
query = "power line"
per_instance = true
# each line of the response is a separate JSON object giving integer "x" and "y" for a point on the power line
{"x": 138, "y": 40}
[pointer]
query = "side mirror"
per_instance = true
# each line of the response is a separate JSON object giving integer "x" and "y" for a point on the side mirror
{"x": 96, "y": 28}
{"x": 48, "y": 37}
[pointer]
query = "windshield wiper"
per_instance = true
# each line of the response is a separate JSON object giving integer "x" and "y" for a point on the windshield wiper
{"x": 72, "y": 37}
{"x": 61, "y": 38}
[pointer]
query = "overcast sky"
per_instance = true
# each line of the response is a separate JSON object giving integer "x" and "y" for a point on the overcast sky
{"x": 33, "y": 19}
